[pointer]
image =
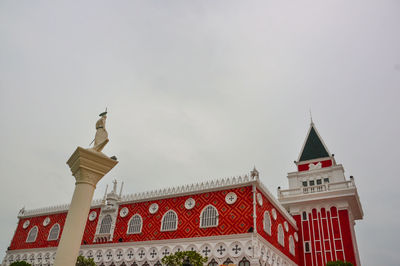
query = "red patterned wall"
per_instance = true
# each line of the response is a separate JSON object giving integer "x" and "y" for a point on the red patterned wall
{"x": 90, "y": 228}
{"x": 329, "y": 234}
{"x": 18, "y": 242}
{"x": 19, "y": 239}
{"x": 273, "y": 238}
{"x": 233, "y": 219}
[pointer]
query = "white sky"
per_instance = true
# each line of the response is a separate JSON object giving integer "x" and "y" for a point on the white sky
{"x": 199, "y": 90}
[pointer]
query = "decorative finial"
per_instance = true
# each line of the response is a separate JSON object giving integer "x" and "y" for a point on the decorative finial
{"x": 22, "y": 210}
{"x": 120, "y": 191}
{"x": 105, "y": 194}
{"x": 254, "y": 172}
{"x": 311, "y": 117}
{"x": 115, "y": 186}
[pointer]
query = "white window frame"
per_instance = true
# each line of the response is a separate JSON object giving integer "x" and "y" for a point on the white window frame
{"x": 101, "y": 225}
{"x": 129, "y": 225}
{"x": 203, "y": 212}
{"x": 58, "y": 233}
{"x": 37, "y": 232}
{"x": 291, "y": 245}
{"x": 267, "y": 230}
{"x": 281, "y": 233}
{"x": 176, "y": 222}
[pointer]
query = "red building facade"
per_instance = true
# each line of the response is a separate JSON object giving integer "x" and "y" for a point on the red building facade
{"x": 235, "y": 220}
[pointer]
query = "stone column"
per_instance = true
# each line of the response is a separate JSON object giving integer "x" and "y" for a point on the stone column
{"x": 88, "y": 167}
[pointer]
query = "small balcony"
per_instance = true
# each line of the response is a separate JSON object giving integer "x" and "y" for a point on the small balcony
{"x": 315, "y": 189}
{"x": 102, "y": 238}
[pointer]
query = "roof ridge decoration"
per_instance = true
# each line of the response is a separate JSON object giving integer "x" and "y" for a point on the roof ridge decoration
{"x": 182, "y": 190}
{"x": 148, "y": 195}
{"x": 313, "y": 147}
{"x": 52, "y": 209}
{"x": 189, "y": 188}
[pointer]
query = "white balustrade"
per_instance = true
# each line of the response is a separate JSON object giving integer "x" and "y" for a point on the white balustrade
{"x": 314, "y": 189}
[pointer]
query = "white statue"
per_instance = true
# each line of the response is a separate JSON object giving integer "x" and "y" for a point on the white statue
{"x": 101, "y": 138}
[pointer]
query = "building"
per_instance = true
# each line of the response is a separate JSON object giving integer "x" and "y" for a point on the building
{"x": 234, "y": 220}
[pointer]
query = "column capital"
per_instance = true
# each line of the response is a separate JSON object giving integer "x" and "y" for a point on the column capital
{"x": 89, "y": 166}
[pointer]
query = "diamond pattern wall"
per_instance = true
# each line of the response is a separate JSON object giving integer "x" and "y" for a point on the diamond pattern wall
{"x": 233, "y": 219}
{"x": 280, "y": 219}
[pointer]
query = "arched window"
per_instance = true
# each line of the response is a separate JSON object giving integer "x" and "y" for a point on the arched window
{"x": 267, "y": 223}
{"x": 135, "y": 224}
{"x": 32, "y": 235}
{"x": 169, "y": 221}
{"x": 54, "y": 232}
{"x": 105, "y": 227}
{"x": 281, "y": 235}
{"x": 244, "y": 262}
{"x": 291, "y": 245}
{"x": 213, "y": 263}
{"x": 209, "y": 217}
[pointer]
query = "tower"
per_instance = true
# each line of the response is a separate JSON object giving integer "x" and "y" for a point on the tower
{"x": 324, "y": 203}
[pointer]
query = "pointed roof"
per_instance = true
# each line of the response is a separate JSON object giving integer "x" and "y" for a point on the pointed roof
{"x": 313, "y": 147}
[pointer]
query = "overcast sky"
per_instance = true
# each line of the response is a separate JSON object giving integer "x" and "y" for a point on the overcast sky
{"x": 198, "y": 90}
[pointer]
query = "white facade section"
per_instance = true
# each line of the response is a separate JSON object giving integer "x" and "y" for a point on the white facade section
{"x": 243, "y": 249}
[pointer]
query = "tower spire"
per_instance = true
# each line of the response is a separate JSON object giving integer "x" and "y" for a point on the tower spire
{"x": 313, "y": 147}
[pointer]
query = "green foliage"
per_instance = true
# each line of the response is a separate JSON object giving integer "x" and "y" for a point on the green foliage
{"x": 179, "y": 257}
{"x": 20, "y": 263}
{"x": 82, "y": 261}
{"x": 339, "y": 263}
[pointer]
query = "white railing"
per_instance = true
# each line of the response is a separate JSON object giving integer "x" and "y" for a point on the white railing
{"x": 314, "y": 189}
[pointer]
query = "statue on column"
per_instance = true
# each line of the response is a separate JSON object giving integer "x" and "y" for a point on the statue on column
{"x": 101, "y": 138}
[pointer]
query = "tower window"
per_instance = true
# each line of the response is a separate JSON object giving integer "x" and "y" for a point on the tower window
{"x": 312, "y": 182}
{"x": 105, "y": 227}
{"x": 209, "y": 217}
{"x": 304, "y": 216}
{"x": 32, "y": 235}
{"x": 54, "y": 232}
{"x": 135, "y": 224}
{"x": 307, "y": 246}
{"x": 304, "y": 183}
{"x": 326, "y": 180}
{"x": 319, "y": 181}
{"x": 169, "y": 221}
